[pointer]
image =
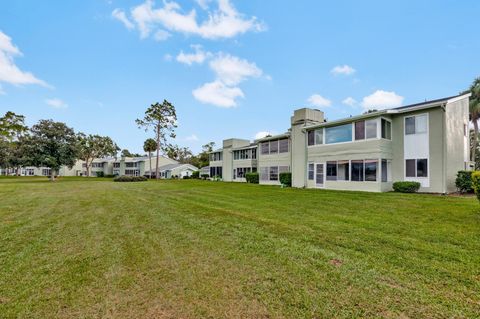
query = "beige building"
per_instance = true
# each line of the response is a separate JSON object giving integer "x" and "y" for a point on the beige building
{"x": 426, "y": 142}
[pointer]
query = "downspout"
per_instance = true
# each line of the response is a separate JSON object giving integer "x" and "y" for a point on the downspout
{"x": 444, "y": 146}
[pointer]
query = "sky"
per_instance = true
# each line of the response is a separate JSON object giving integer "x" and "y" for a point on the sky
{"x": 232, "y": 68}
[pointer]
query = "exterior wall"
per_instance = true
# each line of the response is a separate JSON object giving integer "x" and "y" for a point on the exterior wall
{"x": 457, "y": 153}
{"x": 280, "y": 159}
{"x": 248, "y": 163}
{"x": 299, "y": 156}
{"x": 436, "y": 148}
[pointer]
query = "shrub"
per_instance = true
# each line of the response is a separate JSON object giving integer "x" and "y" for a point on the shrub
{"x": 110, "y": 176}
{"x": 252, "y": 177}
{"x": 286, "y": 178}
{"x": 464, "y": 182}
{"x": 406, "y": 187}
{"x": 186, "y": 177}
{"x": 476, "y": 183}
{"x": 196, "y": 174}
{"x": 125, "y": 178}
{"x": 100, "y": 174}
{"x": 205, "y": 176}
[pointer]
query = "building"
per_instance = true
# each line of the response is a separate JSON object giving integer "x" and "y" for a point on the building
{"x": 426, "y": 142}
{"x": 177, "y": 170}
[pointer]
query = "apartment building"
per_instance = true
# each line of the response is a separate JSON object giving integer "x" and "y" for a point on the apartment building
{"x": 426, "y": 142}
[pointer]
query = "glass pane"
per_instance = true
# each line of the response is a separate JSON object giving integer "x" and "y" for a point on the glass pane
{"x": 357, "y": 171}
{"x": 283, "y": 146}
{"x": 410, "y": 168}
{"x": 410, "y": 125}
{"x": 386, "y": 129}
{"x": 338, "y": 134}
{"x": 421, "y": 124}
{"x": 311, "y": 138}
{"x": 331, "y": 171}
{"x": 384, "y": 171}
{"x": 360, "y": 130}
{"x": 319, "y": 176}
{"x": 422, "y": 169}
{"x": 264, "y": 173}
{"x": 319, "y": 136}
{"x": 371, "y": 129}
{"x": 311, "y": 171}
{"x": 343, "y": 170}
{"x": 371, "y": 171}
{"x": 273, "y": 173}
{"x": 265, "y": 148}
{"x": 274, "y": 147}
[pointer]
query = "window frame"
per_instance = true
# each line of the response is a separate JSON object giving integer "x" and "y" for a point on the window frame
{"x": 416, "y": 168}
{"x": 381, "y": 128}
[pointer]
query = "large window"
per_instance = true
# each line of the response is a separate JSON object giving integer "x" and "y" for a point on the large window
{"x": 311, "y": 137}
{"x": 416, "y": 167}
{"x": 331, "y": 171}
{"x": 359, "y": 130}
{"x": 357, "y": 171}
{"x": 319, "y": 136}
{"x": 311, "y": 171}
{"x": 216, "y": 171}
{"x": 338, "y": 134}
{"x": 265, "y": 148}
{"x": 416, "y": 124}
{"x": 371, "y": 129}
{"x": 273, "y": 173}
{"x": 245, "y": 154}
{"x": 386, "y": 129}
{"x": 283, "y": 145}
{"x": 371, "y": 170}
{"x": 274, "y": 147}
{"x": 240, "y": 172}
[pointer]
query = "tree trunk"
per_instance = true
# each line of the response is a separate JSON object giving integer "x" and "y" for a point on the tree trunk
{"x": 475, "y": 142}
{"x": 157, "y": 173}
{"x": 52, "y": 175}
{"x": 150, "y": 160}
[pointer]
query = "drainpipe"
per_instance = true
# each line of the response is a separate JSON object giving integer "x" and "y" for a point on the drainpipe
{"x": 444, "y": 146}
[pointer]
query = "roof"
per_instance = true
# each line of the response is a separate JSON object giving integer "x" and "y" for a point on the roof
{"x": 252, "y": 145}
{"x": 274, "y": 137}
{"x": 400, "y": 109}
{"x": 169, "y": 167}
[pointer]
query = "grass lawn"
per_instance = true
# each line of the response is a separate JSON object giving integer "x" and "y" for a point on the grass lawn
{"x": 81, "y": 248}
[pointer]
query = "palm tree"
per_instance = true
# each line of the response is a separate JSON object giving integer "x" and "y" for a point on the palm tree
{"x": 150, "y": 145}
{"x": 475, "y": 113}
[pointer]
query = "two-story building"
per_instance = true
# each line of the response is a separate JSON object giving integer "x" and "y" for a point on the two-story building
{"x": 426, "y": 142}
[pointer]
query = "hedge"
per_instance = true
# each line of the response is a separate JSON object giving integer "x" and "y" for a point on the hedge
{"x": 125, "y": 178}
{"x": 464, "y": 182}
{"x": 476, "y": 183}
{"x": 252, "y": 178}
{"x": 286, "y": 178}
{"x": 196, "y": 174}
{"x": 406, "y": 187}
{"x": 100, "y": 174}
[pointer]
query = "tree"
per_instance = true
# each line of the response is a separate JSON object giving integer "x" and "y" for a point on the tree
{"x": 203, "y": 158}
{"x": 474, "y": 113}
{"x": 162, "y": 118}
{"x": 12, "y": 129}
{"x": 126, "y": 153}
{"x": 180, "y": 154}
{"x": 51, "y": 144}
{"x": 95, "y": 146}
{"x": 150, "y": 146}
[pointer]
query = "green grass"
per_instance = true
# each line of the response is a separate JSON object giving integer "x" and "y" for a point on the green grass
{"x": 81, "y": 248}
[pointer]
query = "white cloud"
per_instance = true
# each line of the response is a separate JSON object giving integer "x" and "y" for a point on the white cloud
{"x": 191, "y": 138}
{"x": 224, "y": 22}
{"x": 9, "y": 72}
{"x": 199, "y": 56}
{"x": 2, "y": 92}
{"x": 120, "y": 15}
{"x": 318, "y": 100}
{"x": 350, "y": 101}
{"x": 382, "y": 100}
{"x": 162, "y": 35}
{"x": 203, "y": 3}
{"x": 218, "y": 94}
{"x": 168, "y": 57}
{"x": 230, "y": 71}
{"x": 343, "y": 69}
{"x": 56, "y": 103}
{"x": 262, "y": 134}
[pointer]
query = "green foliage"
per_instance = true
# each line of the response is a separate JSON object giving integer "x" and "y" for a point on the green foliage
{"x": 286, "y": 178}
{"x": 406, "y": 187}
{"x": 196, "y": 174}
{"x": 186, "y": 177}
{"x": 463, "y": 182}
{"x": 180, "y": 154}
{"x": 127, "y": 153}
{"x": 149, "y": 145}
{"x": 109, "y": 176}
{"x": 91, "y": 147}
{"x": 476, "y": 183}
{"x": 51, "y": 144}
{"x": 205, "y": 176}
{"x": 252, "y": 177}
{"x": 130, "y": 179}
{"x": 100, "y": 174}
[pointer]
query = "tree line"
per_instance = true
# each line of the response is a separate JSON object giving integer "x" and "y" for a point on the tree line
{"x": 54, "y": 144}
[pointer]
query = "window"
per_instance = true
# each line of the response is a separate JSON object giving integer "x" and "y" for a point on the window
{"x": 386, "y": 129}
{"x": 274, "y": 147}
{"x": 386, "y": 170}
{"x": 234, "y": 173}
{"x": 371, "y": 170}
{"x": 274, "y": 173}
{"x": 359, "y": 130}
{"x": 283, "y": 146}
{"x": 254, "y": 153}
{"x": 343, "y": 170}
{"x": 319, "y": 136}
{"x": 338, "y": 134}
{"x": 319, "y": 176}
{"x": 371, "y": 129}
{"x": 416, "y": 124}
{"x": 357, "y": 171}
{"x": 264, "y": 173}
{"x": 311, "y": 171}
{"x": 410, "y": 168}
{"x": 216, "y": 171}
{"x": 265, "y": 148}
{"x": 331, "y": 171}
{"x": 422, "y": 169}
{"x": 311, "y": 137}
{"x": 116, "y": 165}
{"x": 46, "y": 171}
